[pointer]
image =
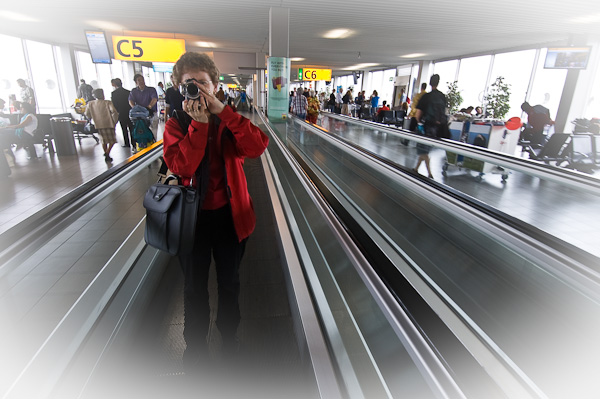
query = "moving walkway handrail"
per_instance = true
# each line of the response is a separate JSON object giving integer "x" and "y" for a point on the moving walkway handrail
{"x": 422, "y": 354}
{"x": 41, "y": 225}
{"x": 566, "y": 177}
{"x": 43, "y": 373}
{"x": 514, "y": 239}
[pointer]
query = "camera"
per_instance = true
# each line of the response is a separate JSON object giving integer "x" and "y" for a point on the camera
{"x": 189, "y": 90}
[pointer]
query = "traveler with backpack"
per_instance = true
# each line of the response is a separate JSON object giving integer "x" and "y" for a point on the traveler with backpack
{"x": 431, "y": 111}
{"x": 205, "y": 144}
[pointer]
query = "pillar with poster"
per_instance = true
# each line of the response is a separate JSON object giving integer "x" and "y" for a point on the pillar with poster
{"x": 278, "y": 88}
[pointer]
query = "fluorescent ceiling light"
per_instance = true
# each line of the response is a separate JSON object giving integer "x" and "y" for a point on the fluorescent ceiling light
{"x": 359, "y": 66}
{"x": 297, "y": 59}
{"x": 413, "y": 55}
{"x": 206, "y": 44}
{"x": 15, "y": 16}
{"x": 338, "y": 33}
{"x": 105, "y": 25}
{"x": 586, "y": 19}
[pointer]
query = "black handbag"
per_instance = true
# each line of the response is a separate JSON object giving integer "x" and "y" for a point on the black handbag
{"x": 171, "y": 213}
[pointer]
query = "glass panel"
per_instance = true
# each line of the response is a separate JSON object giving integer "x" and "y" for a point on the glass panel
{"x": 387, "y": 86}
{"x": 547, "y": 86}
{"x": 12, "y": 68}
{"x": 104, "y": 77}
{"x": 86, "y": 69}
{"x": 45, "y": 79}
{"x": 524, "y": 302}
{"x": 593, "y": 107}
{"x": 471, "y": 80}
{"x": 516, "y": 68}
{"x": 382, "y": 370}
{"x": 447, "y": 72}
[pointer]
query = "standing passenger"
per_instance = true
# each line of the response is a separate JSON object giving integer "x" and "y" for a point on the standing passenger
{"x": 374, "y": 102}
{"x": 120, "y": 99}
{"x": 105, "y": 117}
{"x": 346, "y": 102}
{"x": 211, "y": 150}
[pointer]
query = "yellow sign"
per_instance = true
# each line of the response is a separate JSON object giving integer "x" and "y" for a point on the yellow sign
{"x": 314, "y": 74}
{"x": 129, "y": 48}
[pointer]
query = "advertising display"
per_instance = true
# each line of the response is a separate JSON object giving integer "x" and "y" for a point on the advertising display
{"x": 278, "y": 88}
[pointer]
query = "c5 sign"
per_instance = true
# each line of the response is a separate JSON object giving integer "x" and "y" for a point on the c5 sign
{"x": 314, "y": 74}
{"x": 128, "y": 48}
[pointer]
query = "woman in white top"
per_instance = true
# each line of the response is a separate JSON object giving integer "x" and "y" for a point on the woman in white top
{"x": 22, "y": 133}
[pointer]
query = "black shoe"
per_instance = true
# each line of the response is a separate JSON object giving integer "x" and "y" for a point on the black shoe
{"x": 107, "y": 158}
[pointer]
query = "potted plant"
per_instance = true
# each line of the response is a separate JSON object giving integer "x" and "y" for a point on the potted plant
{"x": 454, "y": 98}
{"x": 497, "y": 98}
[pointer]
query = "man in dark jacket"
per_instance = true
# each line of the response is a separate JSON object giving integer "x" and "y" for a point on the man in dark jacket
{"x": 119, "y": 98}
{"x": 85, "y": 91}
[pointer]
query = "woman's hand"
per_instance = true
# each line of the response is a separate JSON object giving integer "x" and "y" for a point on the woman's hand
{"x": 201, "y": 108}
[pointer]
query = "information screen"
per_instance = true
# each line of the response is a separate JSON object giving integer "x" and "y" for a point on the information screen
{"x": 567, "y": 58}
{"x": 98, "y": 46}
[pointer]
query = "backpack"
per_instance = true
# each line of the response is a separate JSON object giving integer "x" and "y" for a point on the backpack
{"x": 435, "y": 115}
{"x": 436, "y": 109}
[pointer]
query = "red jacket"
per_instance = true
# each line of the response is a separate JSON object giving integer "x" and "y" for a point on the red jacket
{"x": 184, "y": 152}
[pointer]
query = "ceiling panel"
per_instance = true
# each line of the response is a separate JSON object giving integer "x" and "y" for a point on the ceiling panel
{"x": 382, "y": 32}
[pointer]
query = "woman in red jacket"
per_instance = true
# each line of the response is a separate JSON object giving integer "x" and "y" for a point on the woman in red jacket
{"x": 212, "y": 151}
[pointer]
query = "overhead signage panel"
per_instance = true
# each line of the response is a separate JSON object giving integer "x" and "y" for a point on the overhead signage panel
{"x": 312, "y": 74}
{"x": 131, "y": 48}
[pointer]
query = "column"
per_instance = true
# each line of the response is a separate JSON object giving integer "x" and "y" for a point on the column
{"x": 279, "y": 64}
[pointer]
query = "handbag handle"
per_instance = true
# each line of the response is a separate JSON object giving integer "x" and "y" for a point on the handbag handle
{"x": 170, "y": 177}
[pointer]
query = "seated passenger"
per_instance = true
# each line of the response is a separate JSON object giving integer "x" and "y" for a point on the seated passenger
{"x": 22, "y": 133}
{"x": 384, "y": 107}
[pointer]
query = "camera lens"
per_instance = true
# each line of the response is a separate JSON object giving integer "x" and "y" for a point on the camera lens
{"x": 190, "y": 90}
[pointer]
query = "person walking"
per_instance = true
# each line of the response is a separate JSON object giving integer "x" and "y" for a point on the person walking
{"x": 207, "y": 142}
{"x": 299, "y": 104}
{"x": 120, "y": 99}
{"x": 147, "y": 97}
{"x": 27, "y": 94}
{"x": 173, "y": 99}
{"x": 413, "y": 107}
{"x": 313, "y": 107}
{"x": 85, "y": 91}
{"x": 105, "y": 117}
{"x": 431, "y": 111}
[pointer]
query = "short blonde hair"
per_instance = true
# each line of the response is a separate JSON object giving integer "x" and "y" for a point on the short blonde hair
{"x": 192, "y": 62}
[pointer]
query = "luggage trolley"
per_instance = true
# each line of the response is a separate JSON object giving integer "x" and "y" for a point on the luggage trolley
{"x": 493, "y": 135}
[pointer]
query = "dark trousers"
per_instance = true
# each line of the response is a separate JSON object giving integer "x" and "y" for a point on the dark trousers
{"x": 127, "y": 128}
{"x": 215, "y": 235}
